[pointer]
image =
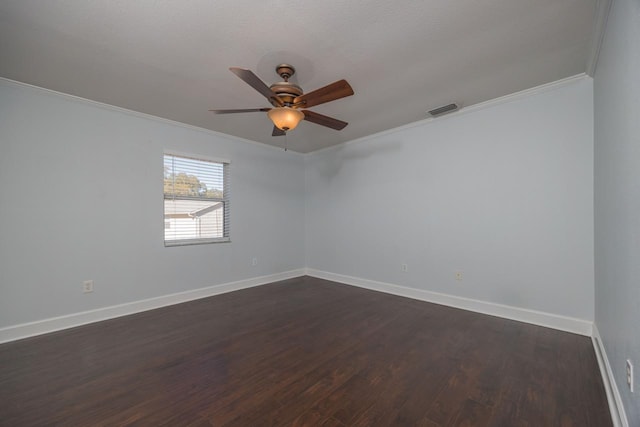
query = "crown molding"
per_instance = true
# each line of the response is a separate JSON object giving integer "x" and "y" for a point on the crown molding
{"x": 138, "y": 114}
{"x": 599, "y": 26}
{"x": 466, "y": 110}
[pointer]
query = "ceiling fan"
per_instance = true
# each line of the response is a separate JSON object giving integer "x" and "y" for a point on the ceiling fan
{"x": 288, "y": 100}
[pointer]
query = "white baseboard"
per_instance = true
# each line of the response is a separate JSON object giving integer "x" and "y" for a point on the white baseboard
{"x": 563, "y": 323}
{"x": 40, "y": 327}
{"x": 618, "y": 415}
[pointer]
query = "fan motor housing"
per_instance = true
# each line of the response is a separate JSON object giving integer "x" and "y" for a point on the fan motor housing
{"x": 286, "y": 91}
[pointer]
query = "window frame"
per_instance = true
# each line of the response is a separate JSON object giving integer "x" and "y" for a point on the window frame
{"x": 226, "y": 165}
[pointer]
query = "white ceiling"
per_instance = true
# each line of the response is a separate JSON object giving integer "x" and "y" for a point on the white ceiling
{"x": 170, "y": 58}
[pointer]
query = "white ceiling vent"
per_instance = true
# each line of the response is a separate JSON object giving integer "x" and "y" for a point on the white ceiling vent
{"x": 445, "y": 109}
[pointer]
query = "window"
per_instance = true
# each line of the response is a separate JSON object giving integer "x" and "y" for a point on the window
{"x": 196, "y": 200}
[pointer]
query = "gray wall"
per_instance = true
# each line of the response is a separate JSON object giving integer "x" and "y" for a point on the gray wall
{"x": 617, "y": 196}
{"x": 81, "y": 198}
{"x": 503, "y": 193}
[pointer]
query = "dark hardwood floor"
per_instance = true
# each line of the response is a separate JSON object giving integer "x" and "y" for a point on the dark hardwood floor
{"x": 303, "y": 352}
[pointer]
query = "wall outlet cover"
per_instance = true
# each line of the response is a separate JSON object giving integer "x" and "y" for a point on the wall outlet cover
{"x": 87, "y": 286}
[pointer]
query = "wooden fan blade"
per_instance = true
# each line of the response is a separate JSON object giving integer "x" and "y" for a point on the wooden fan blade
{"x": 244, "y": 110}
{"x": 278, "y": 132}
{"x": 323, "y": 120}
{"x": 254, "y": 81}
{"x": 336, "y": 90}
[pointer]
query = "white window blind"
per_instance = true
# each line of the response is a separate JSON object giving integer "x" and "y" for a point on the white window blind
{"x": 196, "y": 200}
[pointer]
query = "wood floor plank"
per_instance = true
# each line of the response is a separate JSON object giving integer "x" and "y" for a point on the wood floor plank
{"x": 471, "y": 414}
{"x": 303, "y": 351}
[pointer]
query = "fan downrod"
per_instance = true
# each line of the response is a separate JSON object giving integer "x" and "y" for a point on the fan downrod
{"x": 285, "y": 71}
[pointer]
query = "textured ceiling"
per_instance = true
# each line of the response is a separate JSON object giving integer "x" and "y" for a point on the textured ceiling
{"x": 402, "y": 58}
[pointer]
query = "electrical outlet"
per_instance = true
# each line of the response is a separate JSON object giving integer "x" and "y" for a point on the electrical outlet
{"x": 254, "y": 262}
{"x": 87, "y": 286}
{"x": 630, "y": 375}
{"x": 458, "y": 275}
{"x": 404, "y": 267}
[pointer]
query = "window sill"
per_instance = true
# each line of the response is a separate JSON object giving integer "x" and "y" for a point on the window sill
{"x": 189, "y": 242}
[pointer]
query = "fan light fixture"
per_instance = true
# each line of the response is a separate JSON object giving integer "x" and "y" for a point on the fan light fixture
{"x": 285, "y": 118}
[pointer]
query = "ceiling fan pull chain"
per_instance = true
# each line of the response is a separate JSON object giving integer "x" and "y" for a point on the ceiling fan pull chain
{"x": 285, "y": 141}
